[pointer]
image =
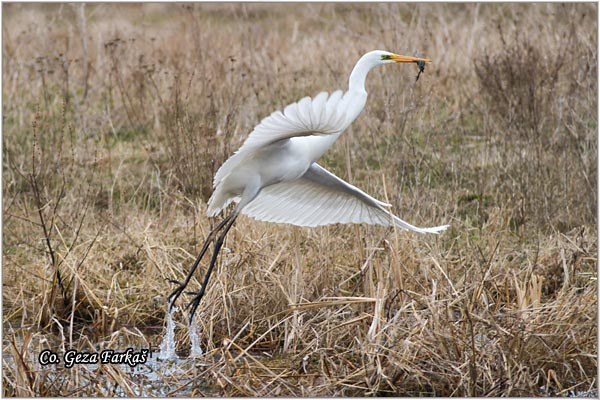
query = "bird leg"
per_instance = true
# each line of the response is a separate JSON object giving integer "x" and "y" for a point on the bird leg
{"x": 196, "y": 300}
{"x": 177, "y": 292}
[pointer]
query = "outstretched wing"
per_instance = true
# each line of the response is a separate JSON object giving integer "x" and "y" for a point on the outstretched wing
{"x": 321, "y": 115}
{"x": 321, "y": 198}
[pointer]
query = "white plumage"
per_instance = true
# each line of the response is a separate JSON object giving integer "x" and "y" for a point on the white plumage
{"x": 321, "y": 198}
{"x": 274, "y": 176}
{"x": 307, "y": 117}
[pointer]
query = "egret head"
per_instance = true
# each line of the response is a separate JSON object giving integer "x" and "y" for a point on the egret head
{"x": 375, "y": 58}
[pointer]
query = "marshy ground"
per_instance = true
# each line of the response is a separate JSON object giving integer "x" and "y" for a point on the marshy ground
{"x": 116, "y": 117}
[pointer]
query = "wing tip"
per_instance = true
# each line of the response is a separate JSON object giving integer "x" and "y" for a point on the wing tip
{"x": 435, "y": 230}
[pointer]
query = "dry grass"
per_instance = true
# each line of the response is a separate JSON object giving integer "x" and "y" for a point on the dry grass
{"x": 117, "y": 116}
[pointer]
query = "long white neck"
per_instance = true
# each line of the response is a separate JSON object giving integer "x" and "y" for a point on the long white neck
{"x": 360, "y": 71}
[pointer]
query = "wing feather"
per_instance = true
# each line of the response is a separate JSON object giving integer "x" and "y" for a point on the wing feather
{"x": 318, "y": 108}
{"x": 322, "y": 115}
{"x": 321, "y": 198}
{"x": 304, "y": 112}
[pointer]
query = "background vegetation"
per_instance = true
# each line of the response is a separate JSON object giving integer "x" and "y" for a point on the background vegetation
{"x": 116, "y": 117}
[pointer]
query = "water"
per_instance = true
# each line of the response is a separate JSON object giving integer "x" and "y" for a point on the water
{"x": 167, "y": 347}
{"x": 162, "y": 374}
{"x": 196, "y": 349}
{"x": 157, "y": 377}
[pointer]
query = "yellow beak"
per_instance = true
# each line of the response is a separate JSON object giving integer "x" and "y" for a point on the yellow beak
{"x": 408, "y": 59}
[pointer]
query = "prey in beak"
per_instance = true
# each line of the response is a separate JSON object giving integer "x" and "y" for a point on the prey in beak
{"x": 421, "y": 62}
{"x": 421, "y": 65}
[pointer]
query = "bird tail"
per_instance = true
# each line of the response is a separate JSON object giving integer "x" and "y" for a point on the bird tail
{"x": 218, "y": 201}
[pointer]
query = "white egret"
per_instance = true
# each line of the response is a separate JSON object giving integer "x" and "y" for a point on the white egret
{"x": 274, "y": 176}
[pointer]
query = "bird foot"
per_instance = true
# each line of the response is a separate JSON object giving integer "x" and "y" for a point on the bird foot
{"x": 175, "y": 293}
{"x": 174, "y": 281}
{"x": 193, "y": 305}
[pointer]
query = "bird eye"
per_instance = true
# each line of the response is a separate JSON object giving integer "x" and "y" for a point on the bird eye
{"x": 386, "y": 57}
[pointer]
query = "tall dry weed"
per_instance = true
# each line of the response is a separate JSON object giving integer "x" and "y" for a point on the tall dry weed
{"x": 530, "y": 92}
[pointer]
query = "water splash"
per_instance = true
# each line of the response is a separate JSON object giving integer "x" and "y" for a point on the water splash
{"x": 167, "y": 347}
{"x": 196, "y": 349}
